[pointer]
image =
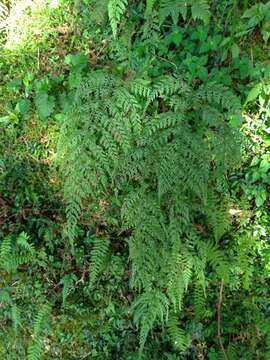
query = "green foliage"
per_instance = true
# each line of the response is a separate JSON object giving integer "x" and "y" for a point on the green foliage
{"x": 3, "y": 15}
{"x": 98, "y": 258}
{"x": 259, "y": 14}
{"x": 13, "y": 255}
{"x": 199, "y": 9}
{"x": 166, "y": 158}
{"x": 136, "y": 101}
{"x": 44, "y": 104}
{"x": 179, "y": 338}
{"x": 35, "y": 349}
{"x": 148, "y": 308}
{"x": 116, "y": 9}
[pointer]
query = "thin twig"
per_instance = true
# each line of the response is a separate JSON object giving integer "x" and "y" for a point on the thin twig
{"x": 219, "y": 319}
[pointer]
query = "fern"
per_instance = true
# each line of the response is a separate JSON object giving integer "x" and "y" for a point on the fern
{"x": 148, "y": 308}
{"x": 35, "y": 349}
{"x": 244, "y": 250}
{"x": 41, "y": 318}
{"x": 22, "y": 242}
{"x": 98, "y": 257}
{"x": 174, "y": 8}
{"x": 200, "y": 10}
{"x": 199, "y": 299}
{"x": 5, "y": 253}
{"x": 3, "y": 16}
{"x": 5, "y": 296}
{"x": 178, "y": 335}
{"x": 116, "y": 9}
{"x": 15, "y": 253}
{"x": 15, "y": 316}
{"x": 170, "y": 172}
{"x": 67, "y": 282}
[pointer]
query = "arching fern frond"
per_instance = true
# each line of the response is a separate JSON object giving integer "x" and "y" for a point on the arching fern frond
{"x": 178, "y": 335}
{"x": 200, "y": 10}
{"x": 3, "y": 16}
{"x": 148, "y": 308}
{"x": 170, "y": 168}
{"x": 35, "y": 348}
{"x": 98, "y": 258}
{"x": 116, "y": 9}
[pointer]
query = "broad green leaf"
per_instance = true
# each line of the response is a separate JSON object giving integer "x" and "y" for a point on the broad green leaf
{"x": 67, "y": 281}
{"x": 248, "y": 13}
{"x": 260, "y": 198}
{"x": 23, "y": 106}
{"x": 59, "y": 117}
{"x": 255, "y": 161}
{"x": 236, "y": 121}
{"x": 42, "y": 86}
{"x": 74, "y": 80}
{"x": 235, "y": 51}
{"x": 267, "y": 71}
{"x": 4, "y": 120}
{"x": 265, "y": 35}
{"x": 76, "y": 62}
{"x": 256, "y": 175}
{"x": 15, "y": 84}
{"x": 45, "y": 104}
{"x": 265, "y": 165}
{"x": 254, "y": 93}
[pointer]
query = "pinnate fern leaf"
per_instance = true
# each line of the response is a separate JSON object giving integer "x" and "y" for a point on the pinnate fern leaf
{"x": 116, "y": 9}
{"x": 3, "y": 15}
{"x": 178, "y": 335}
{"x": 98, "y": 258}
{"x": 200, "y": 10}
{"x": 35, "y": 348}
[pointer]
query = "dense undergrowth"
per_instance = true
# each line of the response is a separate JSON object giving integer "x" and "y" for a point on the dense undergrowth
{"x": 134, "y": 179}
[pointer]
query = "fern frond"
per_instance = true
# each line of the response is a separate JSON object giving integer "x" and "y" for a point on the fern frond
{"x": 15, "y": 253}
{"x": 5, "y": 296}
{"x": 98, "y": 258}
{"x": 67, "y": 282}
{"x": 15, "y": 316}
{"x": 116, "y": 9}
{"x": 244, "y": 253}
{"x": 178, "y": 335}
{"x": 41, "y": 318}
{"x": 218, "y": 216}
{"x": 35, "y": 349}
{"x": 220, "y": 95}
{"x": 173, "y": 8}
{"x": 116, "y": 139}
{"x": 22, "y": 241}
{"x": 200, "y": 10}
{"x": 142, "y": 88}
{"x": 217, "y": 260}
{"x": 5, "y": 253}
{"x": 3, "y": 16}
{"x": 199, "y": 300}
{"x": 148, "y": 308}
